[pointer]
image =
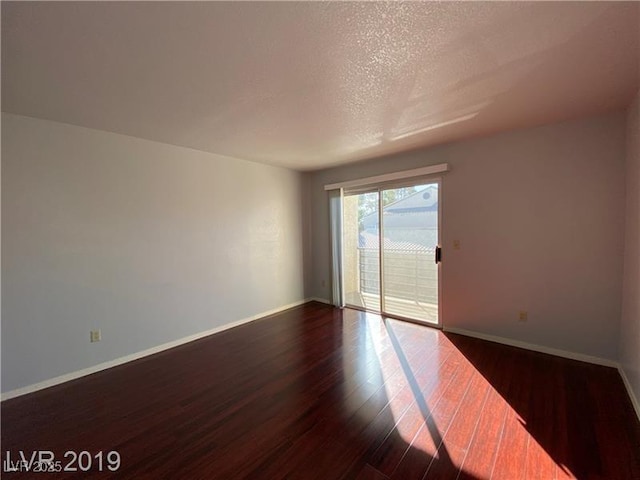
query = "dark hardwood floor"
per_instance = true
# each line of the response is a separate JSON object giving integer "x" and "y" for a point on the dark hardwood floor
{"x": 316, "y": 392}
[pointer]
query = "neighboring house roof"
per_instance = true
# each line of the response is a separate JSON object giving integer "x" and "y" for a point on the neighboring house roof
{"x": 419, "y": 210}
{"x": 423, "y": 200}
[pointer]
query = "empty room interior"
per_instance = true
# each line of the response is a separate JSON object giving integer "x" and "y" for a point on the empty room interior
{"x": 332, "y": 240}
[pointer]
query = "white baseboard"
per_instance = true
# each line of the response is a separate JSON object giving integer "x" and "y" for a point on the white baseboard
{"x": 632, "y": 395}
{"x": 536, "y": 348}
{"x": 321, "y": 300}
{"x": 144, "y": 353}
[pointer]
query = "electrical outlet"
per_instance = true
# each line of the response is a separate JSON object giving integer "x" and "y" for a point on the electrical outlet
{"x": 95, "y": 336}
{"x": 524, "y": 316}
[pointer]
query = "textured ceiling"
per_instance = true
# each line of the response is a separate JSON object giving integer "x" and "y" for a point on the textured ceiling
{"x": 310, "y": 85}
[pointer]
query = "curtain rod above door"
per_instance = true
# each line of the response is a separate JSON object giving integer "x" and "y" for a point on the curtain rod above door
{"x": 388, "y": 177}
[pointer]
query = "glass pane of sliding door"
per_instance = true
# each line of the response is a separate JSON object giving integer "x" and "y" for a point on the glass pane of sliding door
{"x": 410, "y": 237}
{"x": 361, "y": 252}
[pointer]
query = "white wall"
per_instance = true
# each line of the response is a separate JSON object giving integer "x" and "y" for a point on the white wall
{"x": 146, "y": 241}
{"x": 540, "y": 217}
{"x": 630, "y": 325}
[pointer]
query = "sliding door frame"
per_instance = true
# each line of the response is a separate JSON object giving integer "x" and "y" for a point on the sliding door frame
{"x": 380, "y": 251}
{"x": 379, "y": 188}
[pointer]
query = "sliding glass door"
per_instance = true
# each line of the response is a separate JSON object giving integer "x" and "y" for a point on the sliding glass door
{"x": 410, "y": 238}
{"x": 390, "y": 247}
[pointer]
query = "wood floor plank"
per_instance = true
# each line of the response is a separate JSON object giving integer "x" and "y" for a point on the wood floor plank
{"x": 319, "y": 392}
{"x": 481, "y": 455}
{"x": 425, "y": 444}
{"x": 458, "y": 436}
{"x": 616, "y": 437}
{"x": 370, "y": 473}
{"x": 512, "y": 451}
{"x": 388, "y": 455}
{"x": 511, "y": 454}
{"x": 498, "y": 370}
{"x": 537, "y": 411}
